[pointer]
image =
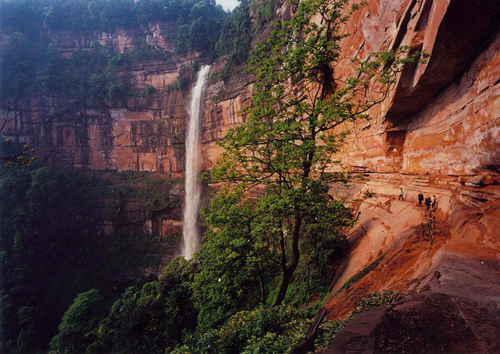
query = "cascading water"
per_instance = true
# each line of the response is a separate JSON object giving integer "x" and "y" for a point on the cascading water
{"x": 192, "y": 201}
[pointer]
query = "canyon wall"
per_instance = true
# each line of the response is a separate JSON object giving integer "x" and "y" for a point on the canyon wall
{"x": 435, "y": 111}
{"x": 145, "y": 134}
{"x": 438, "y": 133}
{"x": 441, "y": 118}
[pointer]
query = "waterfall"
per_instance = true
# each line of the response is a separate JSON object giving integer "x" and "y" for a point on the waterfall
{"x": 192, "y": 186}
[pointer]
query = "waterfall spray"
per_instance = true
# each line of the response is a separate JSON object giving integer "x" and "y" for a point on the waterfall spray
{"x": 192, "y": 201}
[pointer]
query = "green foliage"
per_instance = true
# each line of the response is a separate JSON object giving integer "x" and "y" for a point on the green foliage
{"x": 17, "y": 66}
{"x": 375, "y": 299}
{"x": 321, "y": 248}
{"x": 38, "y": 229}
{"x": 236, "y": 37}
{"x": 183, "y": 80}
{"x": 274, "y": 233}
{"x": 263, "y": 10}
{"x": 262, "y": 330}
{"x": 49, "y": 249}
{"x": 328, "y": 330}
{"x": 236, "y": 261}
{"x": 81, "y": 317}
{"x": 30, "y": 62}
{"x": 204, "y": 26}
{"x": 90, "y": 75}
{"x": 15, "y": 154}
{"x": 288, "y": 141}
{"x": 151, "y": 319}
{"x": 106, "y": 15}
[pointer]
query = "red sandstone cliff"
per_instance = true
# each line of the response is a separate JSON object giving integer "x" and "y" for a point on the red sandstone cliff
{"x": 145, "y": 134}
{"x": 439, "y": 134}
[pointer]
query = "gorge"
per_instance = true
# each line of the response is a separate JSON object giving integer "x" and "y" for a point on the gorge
{"x": 436, "y": 133}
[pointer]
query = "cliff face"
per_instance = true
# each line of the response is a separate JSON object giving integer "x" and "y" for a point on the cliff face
{"x": 144, "y": 134}
{"x": 437, "y": 109}
{"x": 442, "y": 117}
{"x": 437, "y": 133}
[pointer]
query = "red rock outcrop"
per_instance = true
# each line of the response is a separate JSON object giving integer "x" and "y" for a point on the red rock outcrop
{"x": 145, "y": 134}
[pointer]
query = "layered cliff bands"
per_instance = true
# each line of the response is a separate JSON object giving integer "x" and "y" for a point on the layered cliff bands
{"x": 437, "y": 133}
{"x": 144, "y": 134}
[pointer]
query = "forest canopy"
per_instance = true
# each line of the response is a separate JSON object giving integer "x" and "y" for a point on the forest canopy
{"x": 33, "y": 15}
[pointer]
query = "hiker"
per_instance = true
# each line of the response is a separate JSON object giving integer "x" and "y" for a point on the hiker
{"x": 401, "y": 194}
{"x": 420, "y": 198}
{"x": 434, "y": 200}
{"x": 428, "y": 202}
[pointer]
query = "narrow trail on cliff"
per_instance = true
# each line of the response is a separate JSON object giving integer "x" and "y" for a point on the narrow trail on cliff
{"x": 191, "y": 240}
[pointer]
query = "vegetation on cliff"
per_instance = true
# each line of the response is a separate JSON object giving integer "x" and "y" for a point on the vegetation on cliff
{"x": 197, "y": 22}
{"x": 31, "y": 63}
{"x": 51, "y": 250}
{"x": 288, "y": 141}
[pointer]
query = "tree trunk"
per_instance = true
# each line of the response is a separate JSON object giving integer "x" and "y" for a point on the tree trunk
{"x": 285, "y": 281}
{"x": 288, "y": 271}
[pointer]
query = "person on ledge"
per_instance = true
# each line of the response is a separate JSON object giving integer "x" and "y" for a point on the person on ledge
{"x": 401, "y": 194}
{"x": 420, "y": 198}
{"x": 428, "y": 202}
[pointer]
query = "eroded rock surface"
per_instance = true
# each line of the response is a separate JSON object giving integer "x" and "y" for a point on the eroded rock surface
{"x": 449, "y": 274}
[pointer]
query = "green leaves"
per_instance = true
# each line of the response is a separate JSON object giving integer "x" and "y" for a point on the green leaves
{"x": 236, "y": 261}
{"x": 81, "y": 317}
{"x": 150, "y": 319}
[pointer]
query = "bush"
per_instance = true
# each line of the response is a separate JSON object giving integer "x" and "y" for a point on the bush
{"x": 262, "y": 330}
{"x": 81, "y": 317}
{"x": 151, "y": 318}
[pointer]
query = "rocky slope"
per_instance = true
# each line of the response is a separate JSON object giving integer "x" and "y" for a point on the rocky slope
{"x": 437, "y": 134}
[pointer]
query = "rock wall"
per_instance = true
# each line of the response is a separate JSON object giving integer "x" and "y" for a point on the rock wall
{"x": 441, "y": 118}
{"x": 145, "y": 134}
{"x": 438, "y": 109}
{"x": 437, "y": 133}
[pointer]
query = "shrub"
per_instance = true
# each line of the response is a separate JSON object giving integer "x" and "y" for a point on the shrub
{"x": 81, "y": 317}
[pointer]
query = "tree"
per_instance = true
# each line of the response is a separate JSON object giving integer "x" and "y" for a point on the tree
{"x": 296, "y": 124}
{"x": 235, "y": 260}
{"x": 17, "y": 67}
{"x": 82, "y": 316}
{"x": 151, "y": 319}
